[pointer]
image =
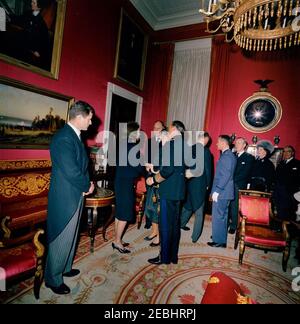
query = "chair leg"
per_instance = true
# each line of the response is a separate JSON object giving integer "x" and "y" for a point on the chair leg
{"x": 285, "y": 258}
{"x": 38, "y": 279}
{"x": 236, "y": 241}
{"x": 242, "y": 250}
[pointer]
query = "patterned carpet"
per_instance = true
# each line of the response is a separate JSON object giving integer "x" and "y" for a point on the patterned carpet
{"x": 108, "y": 277}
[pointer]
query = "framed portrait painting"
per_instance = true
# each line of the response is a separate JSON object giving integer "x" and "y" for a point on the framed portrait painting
{"x": 29, "y": 116}
{"x": 32, "y": 33}
{"x": 131, "y": 52}
{"x": 260, "y": 112}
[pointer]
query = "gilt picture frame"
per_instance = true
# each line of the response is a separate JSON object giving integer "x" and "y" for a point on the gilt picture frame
{"x": 260, "y": 113}
{"x": 131, "y": 53}
{"x": 21, "y": 45}
{"x": 30, "y": 116}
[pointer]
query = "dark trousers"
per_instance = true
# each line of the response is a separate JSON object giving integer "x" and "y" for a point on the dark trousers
{"x": 61, "y": 251}
{"x": 199, "y": 220}
{"x": 169, "y": 228}
{"x": 285, "y": 203}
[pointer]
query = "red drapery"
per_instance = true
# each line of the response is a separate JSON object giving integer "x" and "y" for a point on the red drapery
{"x": 159, "y": 76}
{"x": 216, "y": 93}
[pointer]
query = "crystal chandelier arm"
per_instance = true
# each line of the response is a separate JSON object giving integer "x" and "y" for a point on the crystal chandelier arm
{"x": 228, "y": 40}
{"x": 215, "y": 9}
{"x": 229, "y": 28}
{"x": 212, "y": 31}
{"x": 223, "y": 20}
{"x": 226, "y": 14}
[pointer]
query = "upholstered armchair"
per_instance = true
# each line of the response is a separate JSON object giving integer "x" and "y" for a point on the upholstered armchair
{"x": 21, "y": 255}
{"x": 254, "y": 228}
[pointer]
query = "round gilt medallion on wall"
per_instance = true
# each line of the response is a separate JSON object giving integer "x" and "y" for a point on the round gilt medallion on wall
{"x": 260, "y": 112}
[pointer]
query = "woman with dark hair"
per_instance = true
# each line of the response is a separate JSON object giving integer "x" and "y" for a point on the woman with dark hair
{"x": 263, "y": 170}
{"x": 126, "y": 173}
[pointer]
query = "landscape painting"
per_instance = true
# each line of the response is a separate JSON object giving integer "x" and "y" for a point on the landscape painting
{"x": 29, "y": 116}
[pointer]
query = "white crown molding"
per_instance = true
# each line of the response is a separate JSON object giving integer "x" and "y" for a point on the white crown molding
{"x": 166, "y": 21}
{"x": 145, "y": 11}
{"x": 184, "y": 19}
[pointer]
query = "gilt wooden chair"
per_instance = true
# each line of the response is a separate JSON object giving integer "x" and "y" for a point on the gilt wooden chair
{"x": 254, "y": 230}
{"x": 21, "y": 255}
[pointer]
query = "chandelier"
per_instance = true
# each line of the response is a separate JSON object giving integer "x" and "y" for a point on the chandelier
{"x": 257, "y": 25}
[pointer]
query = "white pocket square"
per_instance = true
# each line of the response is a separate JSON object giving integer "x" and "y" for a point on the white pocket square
{"x": 243, "y": 162}
{"x": 295, "y": 168}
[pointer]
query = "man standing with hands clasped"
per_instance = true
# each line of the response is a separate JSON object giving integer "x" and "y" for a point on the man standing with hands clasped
{"x": 241, "y": 179}
{"x": 222, "y": 192}
{"x": 171, "y": 181}
{"x": 68, "y": 186}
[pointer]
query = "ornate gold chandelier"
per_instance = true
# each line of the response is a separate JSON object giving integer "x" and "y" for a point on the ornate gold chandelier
{"x": 258, "y": 25}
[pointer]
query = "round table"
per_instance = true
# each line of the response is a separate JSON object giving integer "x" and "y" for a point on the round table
{"x": 92, "y": 203}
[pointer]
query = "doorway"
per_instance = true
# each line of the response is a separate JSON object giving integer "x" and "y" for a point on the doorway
{"x": 122, "y": 106}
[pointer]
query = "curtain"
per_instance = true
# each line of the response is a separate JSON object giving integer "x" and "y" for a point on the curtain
{"x": 218, "y": 74}
{"x": 215, "y": 100}
{"x": 189, "y": 86}
{"x": 158, "y": 83}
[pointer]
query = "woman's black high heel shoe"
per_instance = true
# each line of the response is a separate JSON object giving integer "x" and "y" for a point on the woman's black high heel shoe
{"x": 114, "y": 246}
{"x": 149, "y": 238}
{"x": 152, "y": 244}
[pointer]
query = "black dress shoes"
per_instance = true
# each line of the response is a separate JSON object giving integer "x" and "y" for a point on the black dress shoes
{"x": 155, "y": 261}
{"x": 231, "y": 231}
{"x": 63, "y": 289}
{"x": 72, "y": 273}
{"x": 217, "y": 245}
{"x": 185, "y": 228}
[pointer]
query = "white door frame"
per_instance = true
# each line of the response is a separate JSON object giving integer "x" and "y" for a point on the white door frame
{"x": 114, "y": 89}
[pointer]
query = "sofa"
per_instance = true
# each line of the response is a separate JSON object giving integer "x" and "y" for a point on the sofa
{"x": 24, "y": 188}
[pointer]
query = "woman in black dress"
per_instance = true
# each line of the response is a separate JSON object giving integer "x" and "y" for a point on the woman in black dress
{"x": 126, "y": 175}
{"x": 263, "y": 170}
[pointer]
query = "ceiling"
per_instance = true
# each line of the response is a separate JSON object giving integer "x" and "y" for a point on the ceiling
{"x": 163, "y": 14}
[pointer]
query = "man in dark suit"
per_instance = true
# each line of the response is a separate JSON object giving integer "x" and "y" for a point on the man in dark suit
{"x": 222, "y": 192}
{"x": 287, "y": 182}
{"x": 171, "y": 180}
{"x": 241, "y": 178}
{"x": 68, "y": 186}
{"x": 197, "y": 186}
